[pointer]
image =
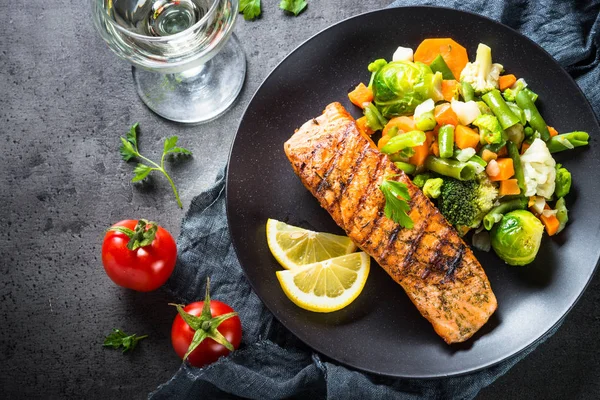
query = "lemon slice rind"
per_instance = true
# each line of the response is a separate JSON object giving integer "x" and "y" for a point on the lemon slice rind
{"x": 307, "y": 299}
{"x": 293, "y": 246}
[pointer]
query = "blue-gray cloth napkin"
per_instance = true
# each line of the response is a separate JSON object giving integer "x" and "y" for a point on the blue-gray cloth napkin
{"x": 272, "y": 363}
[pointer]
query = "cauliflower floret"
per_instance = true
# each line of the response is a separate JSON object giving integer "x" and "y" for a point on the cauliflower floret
{"x": 539, "y": 170}
{"x": 403, "y": 54}
{"x": 466, "y": 112}
{"x": 482, "y": 74}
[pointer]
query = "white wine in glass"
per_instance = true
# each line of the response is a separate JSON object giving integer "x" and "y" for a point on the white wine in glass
{"x": 187, "y": 64}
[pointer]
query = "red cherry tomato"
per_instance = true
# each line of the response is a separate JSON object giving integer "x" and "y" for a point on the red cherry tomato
{"x": 143, "y": 269}
{"x": 208, "y": 351}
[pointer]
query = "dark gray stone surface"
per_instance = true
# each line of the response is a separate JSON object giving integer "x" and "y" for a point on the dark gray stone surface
{"x": 64, "y": 101}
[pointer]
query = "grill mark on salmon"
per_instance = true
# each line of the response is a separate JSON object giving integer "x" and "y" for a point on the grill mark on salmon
{"x": 352, "y": 173}
{"x": 332, "y": 164}
{"x": 362, "y": 203}
{"x": 438, "y": 271}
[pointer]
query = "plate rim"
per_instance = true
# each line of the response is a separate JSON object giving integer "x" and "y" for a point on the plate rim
{"x": 463, "y": 371}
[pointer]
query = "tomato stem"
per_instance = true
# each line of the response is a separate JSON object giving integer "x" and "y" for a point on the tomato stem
{"x": 205, "y": 325}
{"x": 142, "y": 235}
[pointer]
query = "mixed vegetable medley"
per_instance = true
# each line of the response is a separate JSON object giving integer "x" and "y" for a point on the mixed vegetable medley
{"x": 473, "y": 139}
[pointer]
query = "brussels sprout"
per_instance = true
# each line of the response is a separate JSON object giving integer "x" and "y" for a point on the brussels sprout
{"x": 516, "y": 239}
{"x": 400, "y": 86}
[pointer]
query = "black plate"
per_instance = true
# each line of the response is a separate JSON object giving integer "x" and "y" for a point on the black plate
{"x": 382, "y": 332}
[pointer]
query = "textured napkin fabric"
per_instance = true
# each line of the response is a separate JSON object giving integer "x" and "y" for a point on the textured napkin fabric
{"x": 272, "y": 363}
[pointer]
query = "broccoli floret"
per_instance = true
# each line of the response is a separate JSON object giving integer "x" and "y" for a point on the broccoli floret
{"x": 487, "y": 194}
{"x": 419, "y": 180}
{"x": 433, "y": 187}
{"x": 510, "y": 94}
{"x": 465, "y": 203}
{"x": 482, "y": 74}
{"x": 562, "y": 181}
{"x": 490, "y": 129}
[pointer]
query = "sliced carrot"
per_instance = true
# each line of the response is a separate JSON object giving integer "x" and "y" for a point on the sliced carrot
{"x": 362, "y": 126}
{"x": 465, "y": 137}
{"x": 553, "y": 132}
{"x": 405, "y": 124}
{"x": 506, "y": 81}
{"x": 509, "y": 187}
{"x": 360, "y": 95}
{"x": 435, "y": 148}
{"x": 422, "y": 151}
{"x": 507, "y": 169}
{"x": 453, "y": 53}
{"x": 488, "y": 155}
{"x": 444, "y": 115}
{"x": 503, "y": 152}
{"x": 524, "y": 147}
{"x": 449, "y": 89}
{"x": 383, "y": 141}
{"x": 551, "y": 223}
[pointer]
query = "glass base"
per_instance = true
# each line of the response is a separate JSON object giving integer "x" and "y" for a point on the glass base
{"x": 197, "y": 95}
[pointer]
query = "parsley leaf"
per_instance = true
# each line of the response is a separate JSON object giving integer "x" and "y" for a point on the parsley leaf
{"x": 170, "y": 143}
{"x": 293, "y": 6}
{"x": 129, "y": 150}
{"x": 250, "y": 9}
{"x": 179, "y": 150}
{"x": 118, "y": 338}
{"x": 396, "y": 206}
{"x": 141, "y": 171}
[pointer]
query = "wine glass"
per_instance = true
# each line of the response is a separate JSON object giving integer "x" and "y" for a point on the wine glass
{"x": 188, "y": 66}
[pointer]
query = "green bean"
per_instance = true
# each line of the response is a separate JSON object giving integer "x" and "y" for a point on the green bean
{"x": 513, "y": 152}
{"x": 500, "y": 109}
{"x": 467, "y": 91}
{"x": 393, "y": 131}
{"x": 533, "y": 115}
{"x": 478, "y": 160}
{"x": 375, "y": 120}
{"x": 398, "y": 157}
{"x": 406, "y": 167}
{"x": 426, "y": 121}
{"x": 577, "y": 139}
{"x": 493, "y": 147}
{"x": 446, "y": 141}
{"x": 517, "y": 111}
{"x": 496, "y": 213}
{"x": 438, "y": 64}
{"x": 400, "y": 142}
{"x": 452, "y": 168}
{"x": 532, "y": 95}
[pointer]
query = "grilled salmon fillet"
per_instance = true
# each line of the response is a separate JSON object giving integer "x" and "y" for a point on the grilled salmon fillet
{"x": 438, "y": 271}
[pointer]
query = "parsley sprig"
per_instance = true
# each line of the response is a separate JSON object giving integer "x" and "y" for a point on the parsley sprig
{"x": 117, "y": 338}
{"x": 250, "y": 9}
{"x": 293, "y": 6}
{"x": 396, "y": 206}
{"x": 129, "y": 150}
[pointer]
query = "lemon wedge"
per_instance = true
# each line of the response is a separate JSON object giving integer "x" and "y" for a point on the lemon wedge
{"x": 328, "y": 285}
{"x": 293, "y": 246}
